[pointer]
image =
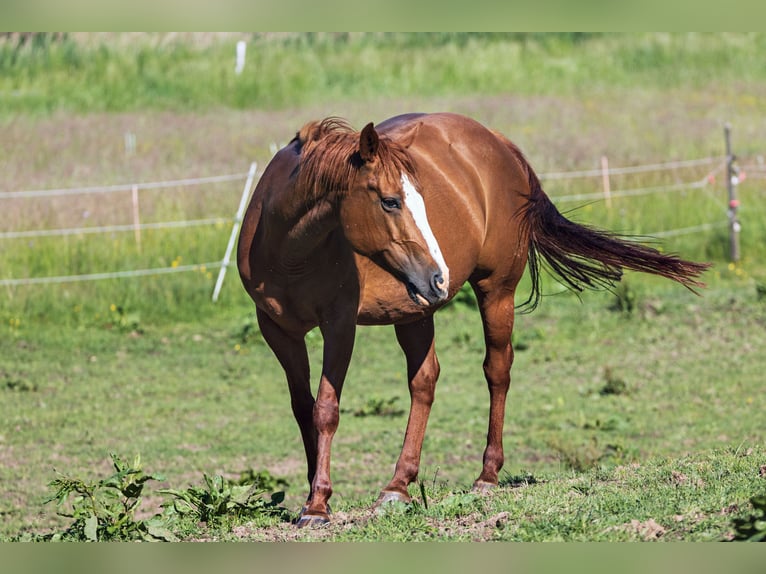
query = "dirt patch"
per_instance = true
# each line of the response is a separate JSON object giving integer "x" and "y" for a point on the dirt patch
{"x": 288, "y": 532}
{"x": 648, "y": 529}
{"x": 475, "y": 528}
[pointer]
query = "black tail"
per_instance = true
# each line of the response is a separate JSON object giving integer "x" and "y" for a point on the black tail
{"x": 584, "y": 257}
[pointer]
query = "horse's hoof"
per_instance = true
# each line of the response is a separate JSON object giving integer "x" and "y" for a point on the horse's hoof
{"x": 388, "y": 497}
{"x": 483, "y": 486}
{"x": 312, "y": 520}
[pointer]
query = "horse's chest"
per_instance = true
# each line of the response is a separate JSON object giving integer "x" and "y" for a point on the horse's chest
{"x": 298, "y": 300}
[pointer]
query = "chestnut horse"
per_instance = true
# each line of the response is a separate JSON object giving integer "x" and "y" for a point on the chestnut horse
{"x": 384, "y": 226}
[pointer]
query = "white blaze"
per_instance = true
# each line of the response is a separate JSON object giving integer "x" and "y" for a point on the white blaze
{"x": 414, "y": 202}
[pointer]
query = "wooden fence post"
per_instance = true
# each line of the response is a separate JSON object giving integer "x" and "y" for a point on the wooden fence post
{"x": 732, "y": 180}
{"x": 136, "y": 217}
{"x": 605, "y": 181}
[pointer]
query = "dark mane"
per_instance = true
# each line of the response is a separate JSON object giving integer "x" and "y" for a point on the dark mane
{"x": 330, "y": 157}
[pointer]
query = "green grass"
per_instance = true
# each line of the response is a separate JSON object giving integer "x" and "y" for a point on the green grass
{"x": 43, "y": 76}
{"x": 208, "y": 397}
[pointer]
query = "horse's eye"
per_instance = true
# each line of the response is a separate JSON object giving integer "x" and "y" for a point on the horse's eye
{"x": 390, "y": 203}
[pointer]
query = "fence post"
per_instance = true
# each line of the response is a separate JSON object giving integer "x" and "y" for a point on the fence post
{"x": 234, "y": 229}
{"x": 136, "y": 217}
{"x": 732, "y": 179}
{"x": 605, "y": 180}
{"x": 241, "y": 50}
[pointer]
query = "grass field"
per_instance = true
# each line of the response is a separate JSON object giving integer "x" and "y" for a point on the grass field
{"x": 601, "y": 404}
{"x": 666, "y": 392}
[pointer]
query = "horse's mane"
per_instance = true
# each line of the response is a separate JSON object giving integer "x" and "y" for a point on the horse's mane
{"x": 330, "y": 157}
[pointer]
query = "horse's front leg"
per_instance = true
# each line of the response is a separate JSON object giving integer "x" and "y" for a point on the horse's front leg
{"x": 417, "y": 342}
{"x": 291, "y": 352}
{"x": 338, "y": 346}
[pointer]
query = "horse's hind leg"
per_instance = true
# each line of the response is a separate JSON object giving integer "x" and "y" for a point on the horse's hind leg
{"x": 497, "y": 313}
{"x": 417, "y": 342}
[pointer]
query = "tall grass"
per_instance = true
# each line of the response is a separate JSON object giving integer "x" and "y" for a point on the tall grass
{"x": 43, "y": 75}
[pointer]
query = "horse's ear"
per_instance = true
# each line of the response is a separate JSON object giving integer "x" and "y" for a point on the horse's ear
{"x": 368, "y": 143}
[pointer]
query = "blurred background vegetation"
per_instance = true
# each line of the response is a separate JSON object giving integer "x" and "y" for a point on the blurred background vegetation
{"x": 83, "y": 73}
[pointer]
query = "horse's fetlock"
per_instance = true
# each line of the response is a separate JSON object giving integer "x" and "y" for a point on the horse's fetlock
{"x": 321, "y": 490}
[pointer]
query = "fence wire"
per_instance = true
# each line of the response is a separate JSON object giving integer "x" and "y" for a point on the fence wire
{"x": 632, "y": 169}
{"x": 112, "y": 228}
{"x": 632, "y": 192}
{"x": 110, "y": 275}
{"x": 122, "y": 187}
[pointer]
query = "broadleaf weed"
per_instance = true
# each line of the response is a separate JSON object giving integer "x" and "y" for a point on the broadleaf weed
{"x": 220, "y": 498}
{"x": 104, "y": 510}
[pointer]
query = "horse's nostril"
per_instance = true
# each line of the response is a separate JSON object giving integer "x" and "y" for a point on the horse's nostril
{"x": 437, "y": 282}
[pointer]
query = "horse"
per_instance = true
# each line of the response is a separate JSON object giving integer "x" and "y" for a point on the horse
{"x": 382, "y": 227}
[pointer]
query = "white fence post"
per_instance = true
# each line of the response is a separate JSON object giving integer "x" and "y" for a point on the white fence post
{"x": 732, "y": 180}
{"x": 234, "y": 230}
{"x": 241, "y": 50}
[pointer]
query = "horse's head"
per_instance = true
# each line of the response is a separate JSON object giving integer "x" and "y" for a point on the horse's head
{"x": 384, "y": 217}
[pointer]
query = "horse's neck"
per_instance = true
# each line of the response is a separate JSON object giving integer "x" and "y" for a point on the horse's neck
{"x": 298, "y": 231}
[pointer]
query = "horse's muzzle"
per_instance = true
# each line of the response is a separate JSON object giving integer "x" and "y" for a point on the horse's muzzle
{"x": 430, "y": 293}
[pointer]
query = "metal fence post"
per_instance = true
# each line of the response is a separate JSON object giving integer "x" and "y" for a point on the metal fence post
{"x": 234, "y": 230}
{"x": 732, "y": 180}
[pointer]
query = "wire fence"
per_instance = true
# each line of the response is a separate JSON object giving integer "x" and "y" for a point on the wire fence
{"x": 633, "y": 169}
{"x": 112, "y": 274}
{"x": 717, "y": 165}
{"x": 122, "y": 187}
{"x": 112, "y": 228}
{"x": 136, "y": 227}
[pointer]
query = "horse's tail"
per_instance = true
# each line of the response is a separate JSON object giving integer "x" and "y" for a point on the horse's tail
{"x": 584, "y": 257}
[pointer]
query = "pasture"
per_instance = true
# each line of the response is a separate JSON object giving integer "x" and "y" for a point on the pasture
{"x": 634, "y": 415}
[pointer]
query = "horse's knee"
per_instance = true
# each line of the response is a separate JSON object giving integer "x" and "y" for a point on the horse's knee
{"x": 497, "y": 367}
{"x": 326, "y": 416}
{"x": 423, "y": 384}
